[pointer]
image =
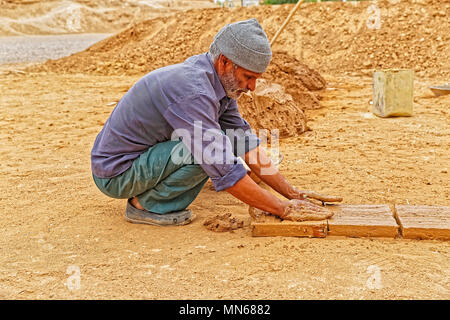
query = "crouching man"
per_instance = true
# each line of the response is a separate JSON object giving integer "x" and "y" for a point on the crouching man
{"x": 167, "y": 136}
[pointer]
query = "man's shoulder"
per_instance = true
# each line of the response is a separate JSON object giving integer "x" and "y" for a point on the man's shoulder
{"x": 192, "y": 76}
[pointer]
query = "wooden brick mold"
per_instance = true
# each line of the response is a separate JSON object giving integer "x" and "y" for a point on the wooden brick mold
{"x": 272, "y": 226}
{"x": 348, "y": 220}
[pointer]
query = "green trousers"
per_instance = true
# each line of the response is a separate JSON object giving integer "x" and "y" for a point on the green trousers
{"x": 164, "y": 179}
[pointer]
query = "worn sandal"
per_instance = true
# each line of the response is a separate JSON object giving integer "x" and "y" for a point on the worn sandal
{"x": 177, "y": 218}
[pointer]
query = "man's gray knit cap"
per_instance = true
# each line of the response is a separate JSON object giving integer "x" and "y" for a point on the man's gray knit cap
{"x": 245, "y": 43}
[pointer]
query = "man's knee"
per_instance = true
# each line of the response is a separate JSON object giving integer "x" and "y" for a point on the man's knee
{"x": 180, "y": 154}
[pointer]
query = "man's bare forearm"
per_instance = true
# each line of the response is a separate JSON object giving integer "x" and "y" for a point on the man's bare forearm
{"x": 249, "y": 192}
{"x": 261, "y": 165}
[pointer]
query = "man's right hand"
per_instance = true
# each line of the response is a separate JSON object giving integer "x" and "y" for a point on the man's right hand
{"x": 297, "y": 210}
{"x": 303, "y": 210}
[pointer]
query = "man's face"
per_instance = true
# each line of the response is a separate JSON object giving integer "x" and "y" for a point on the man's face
{"x": 237, "y": 80}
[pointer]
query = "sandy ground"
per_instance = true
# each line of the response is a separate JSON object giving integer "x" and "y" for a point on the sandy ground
{"x": 55, "y": 221}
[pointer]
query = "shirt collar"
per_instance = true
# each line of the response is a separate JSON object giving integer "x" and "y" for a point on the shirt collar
{"x": 217, "y": 85}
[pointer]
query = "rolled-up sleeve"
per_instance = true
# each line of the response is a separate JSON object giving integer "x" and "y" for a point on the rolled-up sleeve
{"x": 238, "y": 130}
{"x": 195, "y": 121}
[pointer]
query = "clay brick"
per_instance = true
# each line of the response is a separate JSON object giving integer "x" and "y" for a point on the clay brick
{"x": 362, "y": 221}
{"x": 424, "y": 222}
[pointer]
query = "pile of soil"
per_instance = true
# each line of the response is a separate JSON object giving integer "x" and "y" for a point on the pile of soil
{"x": 300, "y": 81}
{"x": 347, "y": 37}
{"x": 332, "y": 37}
{"x": 269, "y": 107}
{"x": 158, "y": 42}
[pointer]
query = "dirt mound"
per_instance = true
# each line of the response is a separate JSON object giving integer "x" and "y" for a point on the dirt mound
{"x": 168, "y": 40}
{"x": 157, "y": 42}
{"x": 297, "y": 78}
{"x": 337, "y": 37}
{"x": 223, "y": 223}
{"x": 269, "y": 107}
{"x": 332, "y": 37}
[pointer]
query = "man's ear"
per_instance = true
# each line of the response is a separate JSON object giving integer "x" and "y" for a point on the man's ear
{"x": 222, "y": 63}
{"x": 225, "y": 60}
{"x": 227, "y": 64}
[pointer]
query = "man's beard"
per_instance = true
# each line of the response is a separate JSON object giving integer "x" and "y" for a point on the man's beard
{"x": 231, "y": 85}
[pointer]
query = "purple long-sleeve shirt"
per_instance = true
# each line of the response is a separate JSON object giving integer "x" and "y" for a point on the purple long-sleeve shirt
{"x": 187, "y": 98}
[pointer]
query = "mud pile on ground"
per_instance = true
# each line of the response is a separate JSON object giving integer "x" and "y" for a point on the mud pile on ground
{"x": 298, "y": 80}
{"x": 223, "y": 223}
{"x": 269, "y": 107}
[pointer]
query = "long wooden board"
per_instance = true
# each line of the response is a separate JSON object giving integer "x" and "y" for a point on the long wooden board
{"x": 348, "y": 220}
{"x": 424, "y": 222}
{"x": 363, "y": 221}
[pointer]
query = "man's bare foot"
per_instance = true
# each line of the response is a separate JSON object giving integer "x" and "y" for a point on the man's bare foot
{"x": 135, "y": 203}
